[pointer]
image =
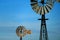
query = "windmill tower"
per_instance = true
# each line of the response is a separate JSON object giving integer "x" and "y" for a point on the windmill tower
{"x": 42, "y": 7}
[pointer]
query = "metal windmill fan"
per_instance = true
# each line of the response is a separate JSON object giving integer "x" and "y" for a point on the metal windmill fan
{"x": 21, "y": 31}
{"x": 42, "y": 6}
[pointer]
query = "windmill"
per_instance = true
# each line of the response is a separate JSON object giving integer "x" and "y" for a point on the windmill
{"x": 21, "y": 31}
{"x": 42, "y": 7}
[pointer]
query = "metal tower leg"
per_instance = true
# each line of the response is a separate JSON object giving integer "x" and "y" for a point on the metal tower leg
{"x": 43, "y": 30}
{"x": 20, "y": 38}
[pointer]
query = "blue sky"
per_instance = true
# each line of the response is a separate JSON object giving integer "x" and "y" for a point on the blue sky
{"x": 19, "y": 12}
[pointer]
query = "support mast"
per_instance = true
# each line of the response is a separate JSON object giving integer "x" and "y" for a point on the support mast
{"x": 43, "y": 29}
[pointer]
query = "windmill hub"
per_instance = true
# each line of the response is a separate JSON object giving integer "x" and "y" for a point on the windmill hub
{"x": 41, "y": 3}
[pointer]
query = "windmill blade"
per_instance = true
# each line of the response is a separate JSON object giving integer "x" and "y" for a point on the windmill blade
{"x": 37, "y": 9}
{"x": 45, "y": 10}
{"x": 34, "y": 8}
{"x": 34, "y": 5}
{"x": 33, "y": 0}
{"x": 42, "y": 11}
{"x": 48, "y": 8}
